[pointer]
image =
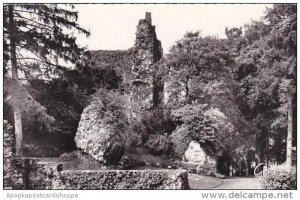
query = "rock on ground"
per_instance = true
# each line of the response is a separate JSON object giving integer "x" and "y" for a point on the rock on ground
{"x": 99, "y": 137}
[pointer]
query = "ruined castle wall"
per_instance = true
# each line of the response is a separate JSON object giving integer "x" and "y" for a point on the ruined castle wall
{"x": 174, "y": 93}
{"x": 135, "y": 65}
{"x": 110, "y": 58}
{"x": 37, "y": 175}
{"x": 148, "y": 51}
{"x": 121, "y": 61}
{"x": 124, "y": 179}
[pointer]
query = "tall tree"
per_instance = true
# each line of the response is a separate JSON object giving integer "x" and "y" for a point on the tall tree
{"x": 38, "y": 41}
{"x": 284, "y": 33}
{"x": 266, "y": 72}
{"x": 202, "y": 68}
{"x": 197, "y": 59}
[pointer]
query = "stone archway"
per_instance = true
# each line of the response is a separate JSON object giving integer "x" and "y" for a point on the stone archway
{"x": 196, "y": 155}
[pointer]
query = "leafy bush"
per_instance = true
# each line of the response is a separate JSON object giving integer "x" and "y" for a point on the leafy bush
{"x": 7, "y": 127}
{"x": 196, "y": 126}
{"x": 180, "y": 140}
{"x": 157, "y": 121}
{"x": 154, "y": 122}
{"x": 280, "y": 178}
{"x": 157, "y": 144}
{"x": 65, "y": 100}
{"x": 133, "y": 141}
{"x": 8, "y": 140}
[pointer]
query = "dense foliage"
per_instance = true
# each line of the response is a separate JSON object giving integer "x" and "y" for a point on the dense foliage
{"x": 244, "y": 84}
{"x": 157, "y": 144}
{"x": 280, "y": 178}
{"x": 234, "y": 96}
{"x": 41, "y": 37}
{"x": 197, "y": 125}
{"x": 203, "y": 101}
{"x": 266, "y": 72}
{"x": 39, "y": 42}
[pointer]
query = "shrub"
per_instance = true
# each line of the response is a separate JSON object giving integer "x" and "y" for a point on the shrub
{"x": 280, "y": 178}
{"x": 195, "y": 125}
{"x": 157, "y": 144}
{"x": 152, "y": 123}
{"x": 133, "y": 141}
{"x": 180, "y": 141}
{"x": 157, "y": 121}
{"x": 8, "y": 138}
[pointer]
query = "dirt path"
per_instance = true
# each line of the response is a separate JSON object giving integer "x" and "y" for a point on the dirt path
{"x": 240, "y": 183}
{"x": 207, "y": 182}
{"x": 199, "y": 182}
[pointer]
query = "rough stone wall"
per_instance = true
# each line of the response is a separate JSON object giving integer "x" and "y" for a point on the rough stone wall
{"x": 31, "y": 174}
{"x": 147, "y": 48}
{"x": 147, "y": 51}
{"x": 121, "y": 61}
{"x": 124, "y": 179}
{"x": 109, "y": 58}
{"x": 174, "y": 93}
{"x": 23, "y": 173}
{"x": 136, "y": 66}
{"x": 98, "y": 136}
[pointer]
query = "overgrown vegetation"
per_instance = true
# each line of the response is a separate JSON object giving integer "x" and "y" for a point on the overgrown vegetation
{"x": 235, "y": 96}
{"x": 38, "y": 41}
{"x": 280, "y": 178}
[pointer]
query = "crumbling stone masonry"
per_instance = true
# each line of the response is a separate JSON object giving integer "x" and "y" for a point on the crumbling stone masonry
{"x": 94, "y": 135}
{"x": 124, "y": 179}
{"x": 98, "y": 138}
{"x": 38, "y": 175}
{"x": 147, "y": 51}
{"x": 137, "y": 67}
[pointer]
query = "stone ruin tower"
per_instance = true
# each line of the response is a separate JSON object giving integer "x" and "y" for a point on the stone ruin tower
{"x": 148, "y": 51}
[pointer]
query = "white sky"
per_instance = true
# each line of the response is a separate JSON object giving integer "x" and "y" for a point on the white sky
{"x": 114, "y": 26}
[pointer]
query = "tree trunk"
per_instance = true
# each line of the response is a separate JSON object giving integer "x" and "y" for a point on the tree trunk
{"x": 18, "y": 131}
{"x": 260, "y": 148}
{"x": 246, "y": 166}
{"x": 14, "y": 67}
{"x": 12, "y": 38}
{"x": 186, "y": 89}
{"x": 289, "y": 138}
